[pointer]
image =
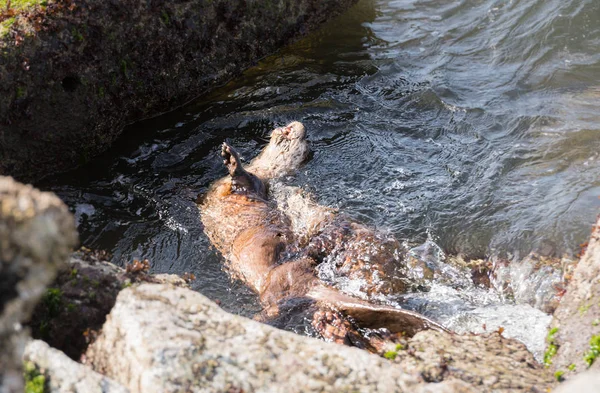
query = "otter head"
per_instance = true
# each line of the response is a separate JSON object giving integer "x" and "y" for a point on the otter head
{"x": 286, "y": 151}
{"x": 293, "y": 132}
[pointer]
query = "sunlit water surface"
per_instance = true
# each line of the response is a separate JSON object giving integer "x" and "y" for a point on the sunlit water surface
{"x": 471, "y": 127}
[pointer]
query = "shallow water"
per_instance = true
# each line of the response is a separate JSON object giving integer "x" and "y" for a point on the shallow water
{"x": 469, "y": 125}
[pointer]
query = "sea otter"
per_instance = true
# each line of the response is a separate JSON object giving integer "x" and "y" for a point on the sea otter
{"x": 264, "y": 246}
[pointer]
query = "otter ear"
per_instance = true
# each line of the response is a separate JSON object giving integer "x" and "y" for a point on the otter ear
{"x": 373, "y": 316}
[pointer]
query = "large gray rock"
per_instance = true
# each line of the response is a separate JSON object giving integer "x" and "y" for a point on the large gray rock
{"x": 159, "y": 338}
{"x": 37, "y": 233}
{"x": 488, "y": 362}
{"x": 65, "y": 375}
{"x": 574, "y": 338}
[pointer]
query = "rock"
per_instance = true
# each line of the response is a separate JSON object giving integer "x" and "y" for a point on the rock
{"x": 159, "y": 338}
{"x": 574, "y": 338}
{"x": 74, "y": 73}
{"x": 76, "y": 305}
{"x": 61, "y": 374}
{"x": 37, "y": 233}
{"x": 492, "y": 362}
{"x": 588, "y": 382}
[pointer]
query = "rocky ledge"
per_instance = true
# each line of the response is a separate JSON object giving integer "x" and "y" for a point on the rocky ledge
{"x": 74, "y": 73}
{"x": 160, "y": 338}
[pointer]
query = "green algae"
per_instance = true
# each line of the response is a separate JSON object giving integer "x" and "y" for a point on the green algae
{"x": 35, "y": 382}
{"x": 552, "y": 347}
{"x": 590, "y": 356}
{"x": 559, "y": 375}
{"x": 391, "y": 355}
{"x": 52, "y": 300}
{"x": 18, "y": 5}
{"x": 164, "y": 16}
{"x": 77, "y": 36}
{"x": 5, "y": 25}
{"x": 584, "y": 309}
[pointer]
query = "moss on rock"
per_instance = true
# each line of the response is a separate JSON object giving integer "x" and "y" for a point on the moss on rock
{"x": 35, "y": 381}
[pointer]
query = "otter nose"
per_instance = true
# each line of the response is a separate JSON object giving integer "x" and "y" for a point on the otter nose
{"x": 286, "y": 130}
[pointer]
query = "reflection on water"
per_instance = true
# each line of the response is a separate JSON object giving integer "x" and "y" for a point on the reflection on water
{"x": 473, "y": 123}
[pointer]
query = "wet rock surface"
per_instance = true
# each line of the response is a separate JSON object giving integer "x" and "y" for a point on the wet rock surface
{"x": 61, "y": 374}
{"x": 37, "y": 233}
{"x": 75, "y": 72}
{"x": 203, "y": 348}
{"x": 574, "y": 338}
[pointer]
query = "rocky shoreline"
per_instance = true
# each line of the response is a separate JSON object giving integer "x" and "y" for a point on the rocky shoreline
{"x": 74, "y": 73}
{"x": 116, "y": 330}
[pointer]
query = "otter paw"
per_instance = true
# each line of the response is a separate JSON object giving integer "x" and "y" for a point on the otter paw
{"x": 231, "y": 159}
{"x": 331, "y": 326}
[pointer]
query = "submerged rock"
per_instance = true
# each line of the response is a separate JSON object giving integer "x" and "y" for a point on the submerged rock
{"x": 37, "y": 233}
{"x": 61, "y": 374}
{"x": 573, "y": 342}
{"x": 159, "y": 338}
{"x": 74, "y": 73}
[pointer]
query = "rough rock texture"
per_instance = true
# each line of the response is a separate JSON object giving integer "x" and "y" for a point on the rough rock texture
{"x": 77, "y": 303}
{"x": 37, "y": 233}
{"x": 65, "y": 375}
{"x": 588, "y": 382}
{"x": 488, "y": 362}
{"x": 73, "y": 73}
{"x": 577, "y": 319}
{"x": 204, "y": 349}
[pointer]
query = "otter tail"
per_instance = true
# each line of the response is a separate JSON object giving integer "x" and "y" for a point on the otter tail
{"x": 369, "y": 315}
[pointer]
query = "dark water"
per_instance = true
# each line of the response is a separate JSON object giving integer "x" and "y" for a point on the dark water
{"x": 471, "y": 124}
